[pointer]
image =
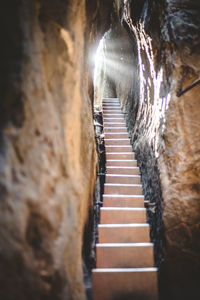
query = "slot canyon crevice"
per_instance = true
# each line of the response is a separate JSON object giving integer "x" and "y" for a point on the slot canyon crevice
{"x": 49, "y": 188}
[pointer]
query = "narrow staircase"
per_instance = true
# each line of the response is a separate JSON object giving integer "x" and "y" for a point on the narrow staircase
{"x": 124, "y": 255}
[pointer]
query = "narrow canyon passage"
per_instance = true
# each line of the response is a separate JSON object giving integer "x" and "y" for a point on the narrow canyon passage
{"x": 52, "y": 154}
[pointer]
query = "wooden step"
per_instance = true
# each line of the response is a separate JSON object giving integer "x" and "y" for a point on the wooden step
{"x": 121, "y": 162}
{"x": 120, "y": 255}
{"x": 114, "y": 125}
{"x": 133, "y": 197}
{"x": 122, "y": 215}
{"x": 113, "y": 120}
{"x": 116, "y": 129}
{"x": 122, "y": 189}
{"x": 113, "y": 115}
{"x": 124, "y": 284}
{"x": 116, "y": 135}
{"x": 118, "y": 148}
{"x": 122, "y": 155}
{"x": 112, "y": 111}
{"x": 110, "y": 99}
{"x": 111, "y": 105}
{"x": 123, "y": 141}
{"x": 123, "y": 201}
{"x": 122, "y": 170}
{"x": 128, "y": 179}
{"x": 123, "y": 233}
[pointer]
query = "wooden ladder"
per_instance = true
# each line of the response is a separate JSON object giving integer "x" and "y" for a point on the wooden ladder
{"x": 124, "y": 255}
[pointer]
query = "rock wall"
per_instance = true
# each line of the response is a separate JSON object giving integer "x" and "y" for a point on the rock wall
{"x": 47, "y": 148}
{"x": 164, "y": 125}
{"x": 166, "y": 130}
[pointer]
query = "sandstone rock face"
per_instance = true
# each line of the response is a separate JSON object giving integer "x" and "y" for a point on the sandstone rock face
{"x": 165, "y": 131}
{"x": 47, "y": 149}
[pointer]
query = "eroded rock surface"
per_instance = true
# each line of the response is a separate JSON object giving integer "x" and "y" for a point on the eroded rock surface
{"x": 47, "y": 147}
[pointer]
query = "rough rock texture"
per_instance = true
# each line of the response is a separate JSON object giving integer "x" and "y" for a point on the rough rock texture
{"x": 168, "y": 45}
{"x": 165, "y": 131}
{"x": 47, "y": 146}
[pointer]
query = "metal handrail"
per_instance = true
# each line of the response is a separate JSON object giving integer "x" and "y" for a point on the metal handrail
{"x": 192, "y": 85}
